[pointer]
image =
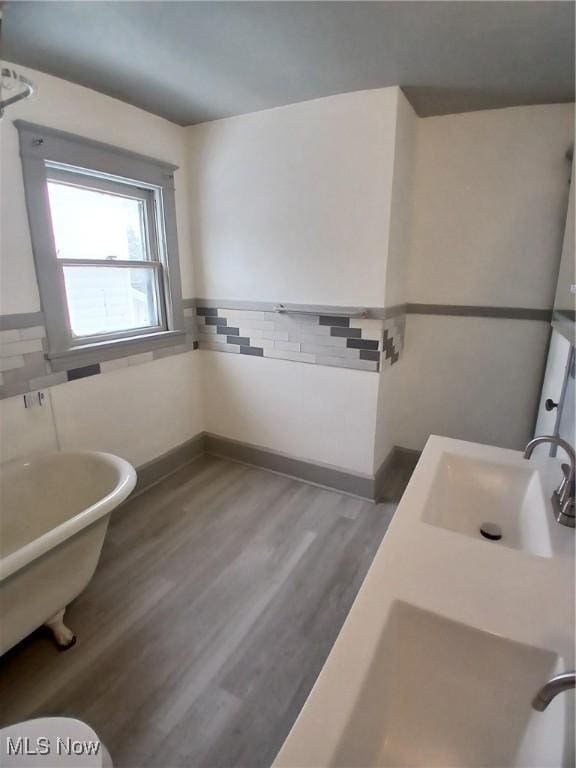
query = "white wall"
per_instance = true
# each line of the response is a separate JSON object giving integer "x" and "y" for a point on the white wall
{"x": 390, "y": 384}
{"x": 136, "y": 412}
{"x": 402, "y": 201}
{"x": 489, "y": 206}
{"x": 60, "y": 104}
{"x": 312, "y": 412}
{"x": 311, "y": 203}
{"x": 564, "y": 298}
{"x": 490, "y": 198}
{"x": 293, "y": 204}
{"x": 470, "y": 378}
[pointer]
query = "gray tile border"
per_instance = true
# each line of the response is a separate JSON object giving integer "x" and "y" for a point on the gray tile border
{"x": 302, "y": 339}
{"x": 212, "y": 338}
{"x": 348, "y": 333}
{"x": 20, "y": 347}
{"x": 10, "y": 336}
{"x": 367, "y": 354}
{"x": 341, "y": 353}
{"x": 83, "y": 373}
{"x": 288, "y": 346}
{"x": 362, "y": 344}
{"x": 244, "y": 314}
{"x": 220, "y": 347}
{"x": 322, "y": 341}
{"x": 295, "y": 357}
{"x": 16, "y": 388}
{"x": 178, "y": 349}
{"x": 274, "y": 335}
{"x": 270, "y": 306}
{"x": 469, "y": 310}
{"x": 32, "y": 370}
{"x": 27, "y": 371}
{"x": 254, "y": 351}
{"x": 114, "y": 350}
{"x": 21, "y": 320}
{"x": 9, "y": 363}
{"x": 333, "y": 321}
{"x": 50, "y": 380}
{"x": 34, "y": 332}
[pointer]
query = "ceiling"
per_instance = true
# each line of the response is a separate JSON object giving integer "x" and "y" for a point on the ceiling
{"x": 197, "y": 61}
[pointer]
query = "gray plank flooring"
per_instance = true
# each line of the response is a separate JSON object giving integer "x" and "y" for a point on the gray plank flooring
{"x": 218, "y": 596}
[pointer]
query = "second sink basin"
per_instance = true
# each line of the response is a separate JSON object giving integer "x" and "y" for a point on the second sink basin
{"x": 442, "y": 694}
{"x": 467, "y": 493}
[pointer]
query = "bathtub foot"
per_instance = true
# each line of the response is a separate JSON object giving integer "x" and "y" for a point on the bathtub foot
{"x": 63, "y": 637}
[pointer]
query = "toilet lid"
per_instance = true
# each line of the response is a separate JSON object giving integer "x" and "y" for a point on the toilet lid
{"x": 54, "y": 742}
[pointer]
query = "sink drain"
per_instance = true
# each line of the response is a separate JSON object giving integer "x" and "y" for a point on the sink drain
{"x": 491, "y": 531}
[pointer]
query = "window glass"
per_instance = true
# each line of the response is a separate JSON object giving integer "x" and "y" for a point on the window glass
{"x": 90, "y": 224}
{"x": 110, "y": 299}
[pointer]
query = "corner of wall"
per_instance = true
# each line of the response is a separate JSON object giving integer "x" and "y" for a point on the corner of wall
{"x": 397, "y": 265}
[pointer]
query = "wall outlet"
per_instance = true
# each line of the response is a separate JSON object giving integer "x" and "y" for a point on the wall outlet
{"x": 34, "y": 399}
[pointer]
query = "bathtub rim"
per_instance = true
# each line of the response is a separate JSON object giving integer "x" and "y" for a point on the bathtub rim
{"x": 38, "y": 547}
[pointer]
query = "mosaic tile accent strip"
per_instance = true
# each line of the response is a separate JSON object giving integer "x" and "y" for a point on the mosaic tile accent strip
{"x": 361, "y": 343}
{"x": 393, "y": 339}
{"x": 24, "y": 368}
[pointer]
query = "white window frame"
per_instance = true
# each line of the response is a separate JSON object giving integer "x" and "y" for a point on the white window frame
{"x": 51, "y": 154}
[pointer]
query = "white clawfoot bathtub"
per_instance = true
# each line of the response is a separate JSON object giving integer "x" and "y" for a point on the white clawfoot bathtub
{"x": 54, "y": 512}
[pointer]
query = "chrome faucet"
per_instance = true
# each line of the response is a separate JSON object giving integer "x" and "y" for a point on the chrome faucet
{"x": 563, "y": 496}
{"x": 552, "y": 688}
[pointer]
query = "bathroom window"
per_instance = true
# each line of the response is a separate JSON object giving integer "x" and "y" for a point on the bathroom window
{"x": 104, "y": 238}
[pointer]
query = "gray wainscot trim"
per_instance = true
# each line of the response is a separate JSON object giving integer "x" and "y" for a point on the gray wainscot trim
{"x": 469, "y": 310}
{"x": 394, "y": 473}
{"x": 324, "y": 475}
{"x": 387, "y": 484}
{"x": 21, "y": 320}
{"x": 370, "y": 313}
{"x": 166, "y": 464}
{"x": 384, "y": 313}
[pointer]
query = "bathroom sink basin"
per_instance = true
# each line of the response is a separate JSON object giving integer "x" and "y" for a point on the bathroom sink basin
{"x": 440, "y": 693}
{"x": 467, "y": 493}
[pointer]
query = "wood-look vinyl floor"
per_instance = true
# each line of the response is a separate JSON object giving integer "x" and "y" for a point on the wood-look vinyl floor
{"x": 218, "y": 596}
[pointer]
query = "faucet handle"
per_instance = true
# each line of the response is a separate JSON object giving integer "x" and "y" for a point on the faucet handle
{"x": 566, "y": 488}
{"x": 569, "y": 513}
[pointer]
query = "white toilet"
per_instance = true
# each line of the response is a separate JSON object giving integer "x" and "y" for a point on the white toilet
{"x": 54, "y": 742}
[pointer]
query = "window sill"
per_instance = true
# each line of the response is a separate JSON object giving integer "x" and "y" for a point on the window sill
{"x": 88, "y": 354}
